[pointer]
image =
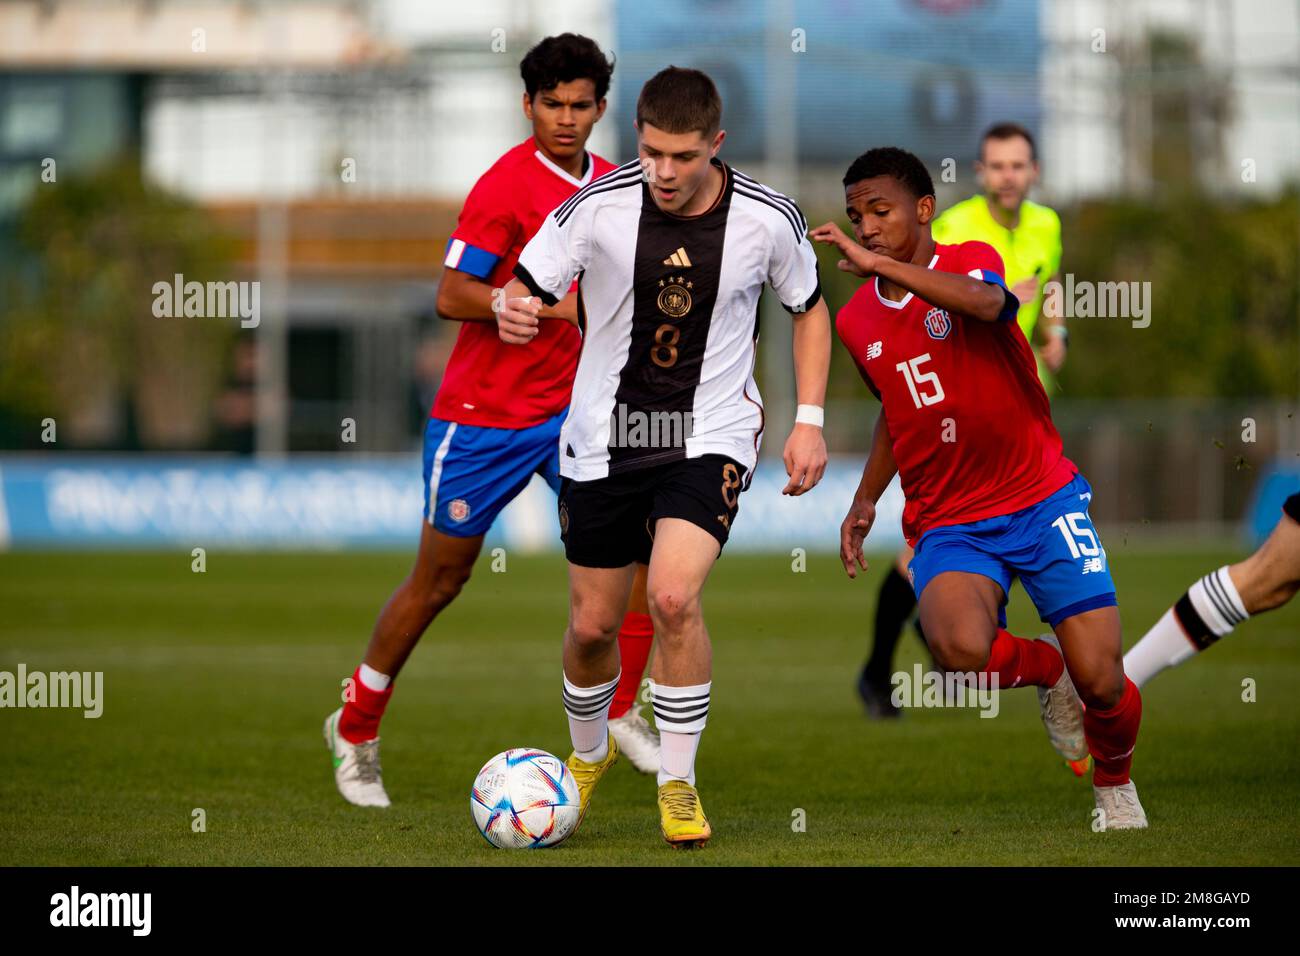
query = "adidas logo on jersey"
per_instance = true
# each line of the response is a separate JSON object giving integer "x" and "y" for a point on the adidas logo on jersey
{"x": 678, "y": 258}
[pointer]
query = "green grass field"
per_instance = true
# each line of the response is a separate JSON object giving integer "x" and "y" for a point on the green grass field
{"x": 216, "y": 685}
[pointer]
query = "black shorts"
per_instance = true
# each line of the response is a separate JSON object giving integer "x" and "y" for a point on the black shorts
{"x": 1292, "y": 507}
{"x": 609, "y": 522}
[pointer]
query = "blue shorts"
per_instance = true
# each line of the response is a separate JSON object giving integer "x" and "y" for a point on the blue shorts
{"x": 1052, "y": 546}
{"x": 472, "y": 472}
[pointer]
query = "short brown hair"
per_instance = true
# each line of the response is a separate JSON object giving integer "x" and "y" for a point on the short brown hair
{"x": 678, "y": 100}
{"x": 1009, "y": 131}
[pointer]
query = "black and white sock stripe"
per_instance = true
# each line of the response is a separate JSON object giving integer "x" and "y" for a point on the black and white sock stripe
{"x": 1210, "y": 609}
{"x": 1217, "y": 589}
{"x": 588, "y": 703}
{"x": 681, "y": 710}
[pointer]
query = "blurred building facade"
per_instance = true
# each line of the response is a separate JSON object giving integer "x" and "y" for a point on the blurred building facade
{"x": 335, "y": 140}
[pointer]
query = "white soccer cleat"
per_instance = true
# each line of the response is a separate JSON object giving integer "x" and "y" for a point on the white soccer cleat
{"x": 1120, "y": 807}
{"x": 1062, "y": 713}
{"x": 637, "y": 740}
{"x": 356, "y": 767}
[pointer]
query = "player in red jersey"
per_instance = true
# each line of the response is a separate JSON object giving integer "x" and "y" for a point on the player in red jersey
{"x": 966, "y": 424}
{"x": 497, "y": 416}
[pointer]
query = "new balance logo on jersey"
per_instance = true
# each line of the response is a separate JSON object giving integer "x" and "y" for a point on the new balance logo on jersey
{"x": 937, "y": 324}
{"x": 874, "y": 350}
{"x": 678, "y": 258}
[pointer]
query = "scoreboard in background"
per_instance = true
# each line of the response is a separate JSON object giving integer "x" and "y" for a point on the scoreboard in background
{"x": 927, "y": 75}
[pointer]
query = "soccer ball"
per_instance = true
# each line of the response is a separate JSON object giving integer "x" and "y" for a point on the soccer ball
{"x": 524, "y": 798}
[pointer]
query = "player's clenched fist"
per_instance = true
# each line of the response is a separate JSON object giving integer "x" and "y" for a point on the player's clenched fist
{"x": 517, "y": 321}
{"x": 853, "y": 531}
{"x": 805, "y": 459}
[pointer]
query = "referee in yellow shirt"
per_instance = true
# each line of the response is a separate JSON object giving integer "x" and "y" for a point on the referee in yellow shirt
{"x": 1025, "y": 234}
{"x": 1028, "y": 237}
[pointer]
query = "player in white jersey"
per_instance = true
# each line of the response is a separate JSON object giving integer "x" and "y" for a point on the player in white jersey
{"x": 663, "y": 432}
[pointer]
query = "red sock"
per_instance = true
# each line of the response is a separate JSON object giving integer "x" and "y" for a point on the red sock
{"x": 360, "y": 718}
{"x": 1113, "y": 731}
{"x": 1019, "y": 662}
{"x": 634, "y": 640}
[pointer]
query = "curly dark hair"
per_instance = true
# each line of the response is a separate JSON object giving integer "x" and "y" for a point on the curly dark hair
{"x": 562, "y": 59}
{"x": 895, "y": 162}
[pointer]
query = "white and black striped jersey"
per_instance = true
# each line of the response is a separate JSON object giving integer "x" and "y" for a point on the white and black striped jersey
{"x": 668, "y": 307}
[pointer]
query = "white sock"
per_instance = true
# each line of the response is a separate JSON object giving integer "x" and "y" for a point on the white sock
{"x": 680, "y": 715}
{"x": 588, "y": 710}
{"x": 1209, "y": 610}
{"x": 373, "y": 679}
{"x": 677, "y": 756}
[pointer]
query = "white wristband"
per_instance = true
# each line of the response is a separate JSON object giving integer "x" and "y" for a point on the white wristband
{"x": 810, "y": 415}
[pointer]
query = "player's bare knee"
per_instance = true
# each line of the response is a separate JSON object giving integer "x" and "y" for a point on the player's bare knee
{"x": 444, "y": 585}
{"x": 672, "y": 609}
{"x": 1100, "y": 690}
{"x": 955, "y": 651}
{"x": 592, "y": 633}
{"x": 963, "y": 659}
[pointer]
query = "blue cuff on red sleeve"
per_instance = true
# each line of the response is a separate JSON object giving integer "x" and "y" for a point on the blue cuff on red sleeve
{"x": 471, "y": 260}
{"x": 1010, "y": 304}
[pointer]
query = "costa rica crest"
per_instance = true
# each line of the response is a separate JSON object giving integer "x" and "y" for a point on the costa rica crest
{"x": 937, "y": 324}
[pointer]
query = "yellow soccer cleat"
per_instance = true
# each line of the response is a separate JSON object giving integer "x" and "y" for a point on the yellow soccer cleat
{"x": 681, "y": 818}
{"x": 1080, "y": 767}
{"x": 587, "y": 775}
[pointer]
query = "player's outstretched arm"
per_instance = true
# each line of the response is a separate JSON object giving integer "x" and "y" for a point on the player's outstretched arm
{"x": 962, "y": 294}
{"x": 959, "y": 294}
{"x": 876, "y": 476}
{"x": 805, "y": 449}
{"x": 517, "y": 313}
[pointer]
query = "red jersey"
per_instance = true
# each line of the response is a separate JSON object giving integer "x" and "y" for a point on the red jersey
{"x": 488, "y": 382}
{"x": 970, "y": 423}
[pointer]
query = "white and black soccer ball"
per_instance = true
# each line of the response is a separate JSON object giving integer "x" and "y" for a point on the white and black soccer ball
{"x": 524, "y": 798}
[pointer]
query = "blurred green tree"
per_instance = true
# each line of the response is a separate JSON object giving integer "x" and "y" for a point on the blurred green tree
{"x": 79, "y": 338}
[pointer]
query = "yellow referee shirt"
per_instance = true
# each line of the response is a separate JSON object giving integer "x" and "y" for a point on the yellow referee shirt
{"x": 1033, "y": 248}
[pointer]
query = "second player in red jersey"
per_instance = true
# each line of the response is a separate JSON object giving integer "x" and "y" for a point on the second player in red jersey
{"x": 488, "y": 383}
{"x": 497, "y": 418}
{"x": 973, "y": 434}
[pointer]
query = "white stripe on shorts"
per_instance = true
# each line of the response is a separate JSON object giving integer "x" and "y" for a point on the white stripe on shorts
{"x": 436, "y": 474}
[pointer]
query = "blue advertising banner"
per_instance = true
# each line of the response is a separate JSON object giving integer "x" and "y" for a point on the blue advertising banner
{"x": 80, "y": 502}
